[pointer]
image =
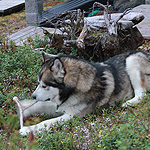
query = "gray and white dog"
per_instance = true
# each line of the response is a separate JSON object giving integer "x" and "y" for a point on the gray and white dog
{"x": 77, "y": 86}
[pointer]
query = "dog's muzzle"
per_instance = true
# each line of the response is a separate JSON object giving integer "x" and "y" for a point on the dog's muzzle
{"x": 34, "y": 96}
{"x": 48, "y": 99}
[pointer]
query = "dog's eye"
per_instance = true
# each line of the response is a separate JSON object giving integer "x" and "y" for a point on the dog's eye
{"x": 43, "y": 86}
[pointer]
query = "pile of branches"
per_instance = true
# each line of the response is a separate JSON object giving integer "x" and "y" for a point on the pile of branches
{"x": 92, "y": 40}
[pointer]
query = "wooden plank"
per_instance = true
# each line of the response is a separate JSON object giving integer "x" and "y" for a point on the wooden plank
{"x": 9, "y": 6}
{"x": 20, "y": 32}
{"x": 26, "y": 31}
{"x": 22, "y": 35}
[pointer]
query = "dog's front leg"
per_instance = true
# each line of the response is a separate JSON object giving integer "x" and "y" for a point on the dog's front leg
{"x": 33, "y": 107}
{"x": 44, "y": 124}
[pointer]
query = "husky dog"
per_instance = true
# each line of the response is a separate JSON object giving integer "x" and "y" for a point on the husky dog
{"x": 77, "y": 86}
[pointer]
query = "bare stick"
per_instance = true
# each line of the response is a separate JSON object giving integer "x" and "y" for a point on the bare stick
{"x": 83, "y": 34}
{"x": 80, "y": 41}
{"x": 40, "y": 51}
{"x": 106, "y": 10}
{"x": 20, "y": 110}
{"x": 25, "y": 107}
{"x": 37, "y": 50}
{"x": 51, "y": 36}
{"x": 123, "y": 14}
{"x": 111, "y": 25}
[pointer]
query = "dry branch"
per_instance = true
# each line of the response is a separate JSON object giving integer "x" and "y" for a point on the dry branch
{"x": 21, "y": 109}
{"x": 107, "y": 17}
{"x": 105, "y": 33}
{"x": 40, "y": 50}
{"x": 71, "y": 23}
{"x": 112, "y": 25}
{"x": 80, "y": 41}
{"x": 123, "y": 14}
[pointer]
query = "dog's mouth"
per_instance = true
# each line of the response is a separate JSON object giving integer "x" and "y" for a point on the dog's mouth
{"x": 48, "y": 99}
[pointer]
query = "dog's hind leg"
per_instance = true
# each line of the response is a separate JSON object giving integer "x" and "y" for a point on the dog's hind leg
{"x": 133, "y": 67}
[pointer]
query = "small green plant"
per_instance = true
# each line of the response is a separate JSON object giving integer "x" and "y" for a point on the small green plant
{"x": 10, "y": 124}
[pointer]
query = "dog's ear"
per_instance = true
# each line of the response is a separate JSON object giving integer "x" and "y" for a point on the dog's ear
{"x": 58, "y": 68}
{"x": 45, "y": 57}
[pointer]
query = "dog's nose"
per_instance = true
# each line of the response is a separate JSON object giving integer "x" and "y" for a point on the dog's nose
{"x": 33, "y": 96}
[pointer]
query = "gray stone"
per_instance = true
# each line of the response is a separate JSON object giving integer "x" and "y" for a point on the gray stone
{"x": 147, "y": 1}
{"x": 126, "y": 22}
{"x": 32, "y": 18}
{"x": 34, "y": 10}
{"x": 144, "y": 26}
{"x": 121, "y": 5}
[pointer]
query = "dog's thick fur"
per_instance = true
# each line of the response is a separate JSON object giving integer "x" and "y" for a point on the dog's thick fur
{"x": 77, "y": 86}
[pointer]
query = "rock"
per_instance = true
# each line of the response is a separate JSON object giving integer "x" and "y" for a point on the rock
{"x": 121, "y": 5}
{"x": 128, "y": 20}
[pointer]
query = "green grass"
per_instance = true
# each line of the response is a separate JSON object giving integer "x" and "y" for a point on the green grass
{"x": 107, "y": 128}
{"x": 112, "y": 129}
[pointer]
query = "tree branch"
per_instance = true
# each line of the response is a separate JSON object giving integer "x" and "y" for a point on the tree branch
{"x": 112, "y": 26}
{"x": 80, "y": 41}
{"x": 106, "y": 12}
{"x": 123, "y": 14}
{"x": 20, "y": 107}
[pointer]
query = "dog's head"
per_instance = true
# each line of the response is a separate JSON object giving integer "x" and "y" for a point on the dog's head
{"x": 51, "y": 80}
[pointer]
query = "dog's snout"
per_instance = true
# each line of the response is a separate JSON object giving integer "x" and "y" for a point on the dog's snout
{"x": 33, "y": 96}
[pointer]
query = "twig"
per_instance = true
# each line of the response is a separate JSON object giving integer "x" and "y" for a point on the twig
{"x": 123, "y": 14}
{"x": 51, "y": 36}
{"x": 20, "y": 110}
{"x": 40, "y": 51}
{"x": 106, "y": 10}
{"x": 83, "y": 34}
{"x": 112, "y": 26}
{"x": 25, "y": 107}
{"x": 80, "y": 41}
{"x": 37, "y": 50}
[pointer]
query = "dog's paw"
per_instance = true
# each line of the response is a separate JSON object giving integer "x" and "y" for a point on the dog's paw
{"x": 124, "y": 105}
{"x": 128, "y": 104}
{"x": 24, "y": 131}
